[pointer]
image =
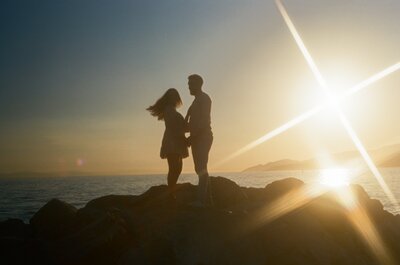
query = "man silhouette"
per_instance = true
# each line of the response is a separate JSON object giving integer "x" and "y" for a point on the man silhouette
{"x": 198, "y": 118}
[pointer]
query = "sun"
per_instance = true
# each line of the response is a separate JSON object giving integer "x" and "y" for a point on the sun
{"x": 334, "y": 178}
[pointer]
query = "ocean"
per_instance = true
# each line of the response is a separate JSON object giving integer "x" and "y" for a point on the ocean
{"x": 21, "y": 197}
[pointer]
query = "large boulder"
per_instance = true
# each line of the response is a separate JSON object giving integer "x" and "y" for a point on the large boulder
{"x": 225, "y": 193}
{"x": 14, "y": 228}
{"x": 98, "y": 208}
{"x": 101, "y": 242}
{"x": 273, "y": 190}
{"x": 17, "y": 245}
{"x": 54, "y": 220}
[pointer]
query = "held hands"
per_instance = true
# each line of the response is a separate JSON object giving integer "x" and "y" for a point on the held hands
{"x": 189, "y": 141}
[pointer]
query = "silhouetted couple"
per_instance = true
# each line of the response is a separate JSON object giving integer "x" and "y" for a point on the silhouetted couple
{"x": 175, "y": 145}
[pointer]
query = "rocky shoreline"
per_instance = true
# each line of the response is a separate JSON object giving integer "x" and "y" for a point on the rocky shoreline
{"x": 245, "y": 226}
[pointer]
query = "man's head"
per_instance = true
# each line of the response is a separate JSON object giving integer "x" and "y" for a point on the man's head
{"x": 195, "y": 83}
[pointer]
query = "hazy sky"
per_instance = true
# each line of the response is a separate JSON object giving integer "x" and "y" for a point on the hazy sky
{"x": 76, "y": 77}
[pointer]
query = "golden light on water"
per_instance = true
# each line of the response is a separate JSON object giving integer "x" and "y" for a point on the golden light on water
{"x": 334, "y": 178}
{"x": 337, "y": 181}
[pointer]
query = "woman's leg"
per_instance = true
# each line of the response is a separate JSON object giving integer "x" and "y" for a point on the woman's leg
{"x": 175, "y": 169}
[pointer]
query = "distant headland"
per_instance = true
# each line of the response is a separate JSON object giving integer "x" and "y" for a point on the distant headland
{"x": 388, "y": 156}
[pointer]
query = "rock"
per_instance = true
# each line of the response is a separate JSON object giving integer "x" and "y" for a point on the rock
{"x": 158, "y": 250}
{"x": 112, "y": 201}
{"x": 53, "y": 220}
{"x": 281, "y": 187}
{"x": 18, "y": 251}
{"x": 98, "y": 208}
{"x": 14, "y": 228}
{"x": 101, "y": 242}
{"x": 238, "y": 229}
{"x": 226, "y": 193}
{"x": 272, "y": 190}
{"x": 17, "y": 245}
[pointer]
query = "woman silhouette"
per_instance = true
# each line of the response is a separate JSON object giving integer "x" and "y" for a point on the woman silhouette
{"x": 173, "y": 147}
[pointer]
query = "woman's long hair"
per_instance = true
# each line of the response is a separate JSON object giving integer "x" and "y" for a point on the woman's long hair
{"x": 170, "y": 98}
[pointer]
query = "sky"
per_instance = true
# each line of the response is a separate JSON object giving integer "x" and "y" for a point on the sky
{"x": 77, "y": 76}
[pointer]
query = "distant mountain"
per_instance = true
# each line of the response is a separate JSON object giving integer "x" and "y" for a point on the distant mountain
{"x": 388, "y": 156}
{"x": 393, "y": 161}
{"x": 284, "y": 164}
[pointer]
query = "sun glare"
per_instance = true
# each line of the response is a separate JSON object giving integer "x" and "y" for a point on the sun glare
{"x": 337, "y": 180}
{"x": 334, "y": 178}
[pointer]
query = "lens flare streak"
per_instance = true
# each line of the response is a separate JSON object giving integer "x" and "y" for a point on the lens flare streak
{"x": 298, "y": 198}
{"x": 359, "y": 219}
{"x": 324, "y": 86}
{"x": 310, "y": 113}
{"x": 288, "y": 203}
{"x": 367, "y": 230}
{"x": 301, "y": 45}
{"x": 371, "y": 165}
{"x": 273, "y": 133}
{"x": 369, "y": 81}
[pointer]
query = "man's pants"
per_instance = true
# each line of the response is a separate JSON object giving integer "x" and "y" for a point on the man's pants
{"x": 200, "y": 150}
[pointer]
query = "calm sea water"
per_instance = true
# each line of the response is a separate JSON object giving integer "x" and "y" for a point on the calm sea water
{"x": 22, "y": 197}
